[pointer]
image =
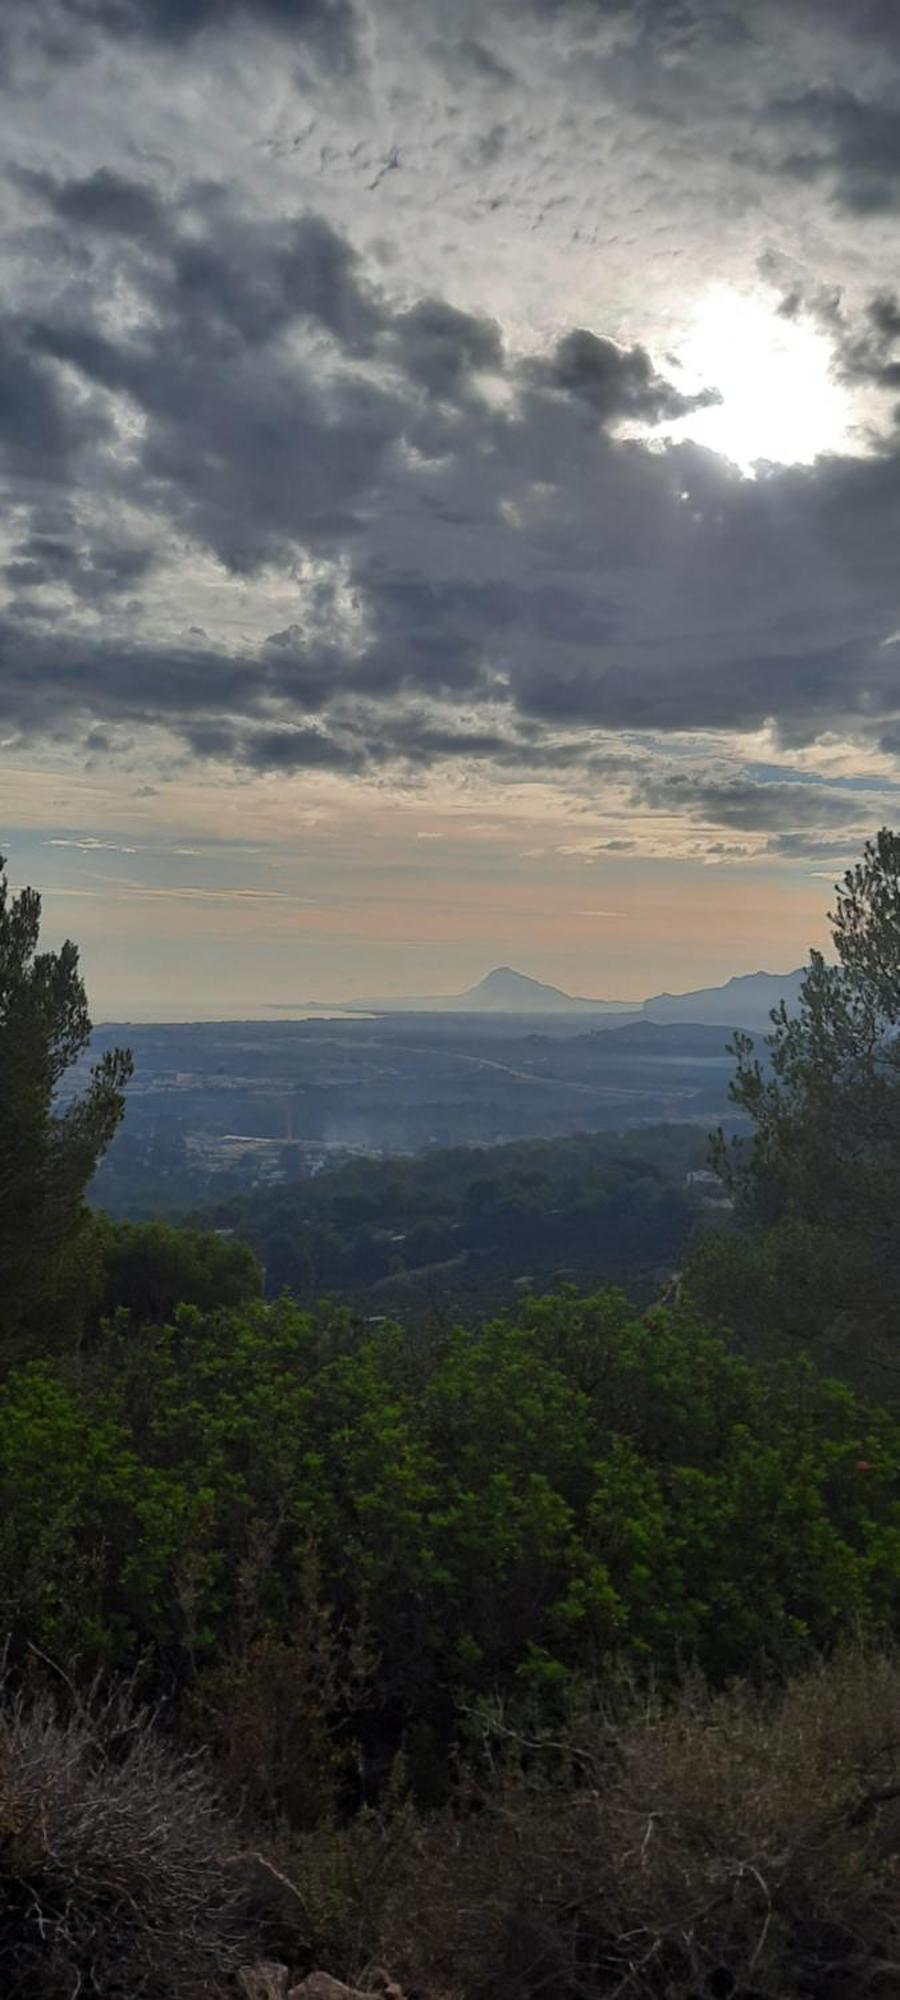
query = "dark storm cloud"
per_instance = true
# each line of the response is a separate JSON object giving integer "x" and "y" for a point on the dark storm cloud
{"x": 616, "y": 382}
{"x": 214, "y": 272}
{"x": 420, "y": 740}
{"x": 441, "y": 347}
{"x": 501, "y": 551}
{"x": 870, "y": 351}
{"x": 248, "y": 452}
{"x": 200, "y": 691}
{"x": 865, "y": 344}
{"x": 252, "y": 455}
{"x": 249, "y": 460}
{"x": 751, "y": 806}
{"x": 325, "y": 28}
{"x": 805, "y": 847}
{"x": 297, "y": 750}
{"x": 241, "y": 447}
{"x": 877, "y": 20}
{"x": 41, "y": 428}
{"x": 257, "y": 280}
{"x": 849, "y": 141}
{"x": 92, "y": 570}
{"x": 99, "y": 201}
{"x": 674, "y": 684}
{"x": 421, "y": 652}
{"x": 467, "y": 59}
{"x": 647, "y": 17}
{"x": 49, "y": 677}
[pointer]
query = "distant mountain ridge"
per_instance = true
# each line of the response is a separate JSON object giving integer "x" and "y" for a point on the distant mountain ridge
{"x": 503, "y": 991}
{"x": 745, "y": 1001}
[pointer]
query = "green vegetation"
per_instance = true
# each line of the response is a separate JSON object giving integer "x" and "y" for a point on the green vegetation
{"x": 524, "y": 1500}
{"x": 455, "y": 1231}
{"x": 149, "y": 1269}
{"x": 49, "y": 1147}
{"x": 814, "y": 1260}
{"x": 549, "y": 1650}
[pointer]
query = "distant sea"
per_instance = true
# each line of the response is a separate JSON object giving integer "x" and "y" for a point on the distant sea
{"x": 273, "y": 1018}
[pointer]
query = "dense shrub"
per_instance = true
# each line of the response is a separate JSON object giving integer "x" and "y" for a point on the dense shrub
{"x": 113, "y": 1875}
{"x": 725, "y": 1846}
{"x": 149, "y": 1269}
{"x": 506, "y": 1505}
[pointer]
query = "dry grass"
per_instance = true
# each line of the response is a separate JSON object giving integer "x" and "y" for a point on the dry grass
{"x": 737, "y": 1847}
{"x": 727, "y": 1848}
{"x": 111, "y": 1876}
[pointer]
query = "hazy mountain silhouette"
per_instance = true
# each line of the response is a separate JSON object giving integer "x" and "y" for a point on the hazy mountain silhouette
{"x": 503, "y": 991}
{"x": 743, "y": 1002}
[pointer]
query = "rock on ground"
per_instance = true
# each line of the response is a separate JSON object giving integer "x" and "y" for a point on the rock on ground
{"x": 267, "y": 1981}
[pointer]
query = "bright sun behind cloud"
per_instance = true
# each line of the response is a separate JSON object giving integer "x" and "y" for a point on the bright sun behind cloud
{"x": 780, "y": 400}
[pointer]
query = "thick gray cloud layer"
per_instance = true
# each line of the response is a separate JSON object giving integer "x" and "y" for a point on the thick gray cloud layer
{"x": 488, "y": 557}
{"x": 68, "y": 29}
{"x": 848, "y": 141}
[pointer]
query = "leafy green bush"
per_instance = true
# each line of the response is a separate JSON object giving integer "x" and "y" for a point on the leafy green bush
{"x": 150, "y": 1269}
{"x": 507, "y": 1505}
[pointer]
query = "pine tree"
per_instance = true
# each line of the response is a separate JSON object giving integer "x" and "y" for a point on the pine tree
{"x": 815, "y": 1260}
{"x": 50, "y": 1143}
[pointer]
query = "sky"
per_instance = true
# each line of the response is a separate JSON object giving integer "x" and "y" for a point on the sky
{"x": 450, "y": 467}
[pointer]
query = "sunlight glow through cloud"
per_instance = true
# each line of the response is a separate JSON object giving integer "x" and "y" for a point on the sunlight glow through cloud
{"x": 450, "y": 468}
{"x": 780, "y": 401}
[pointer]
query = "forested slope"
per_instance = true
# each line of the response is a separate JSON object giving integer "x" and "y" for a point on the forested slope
{"x": 460, "y": 1227}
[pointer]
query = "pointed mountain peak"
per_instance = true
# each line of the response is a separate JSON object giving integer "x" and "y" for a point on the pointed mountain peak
{"x": 510, "y": 991}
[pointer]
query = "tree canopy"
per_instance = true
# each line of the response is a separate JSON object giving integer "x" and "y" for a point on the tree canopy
{"x": 816, "y": 1254}
{"x": 50, "y": 1140}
